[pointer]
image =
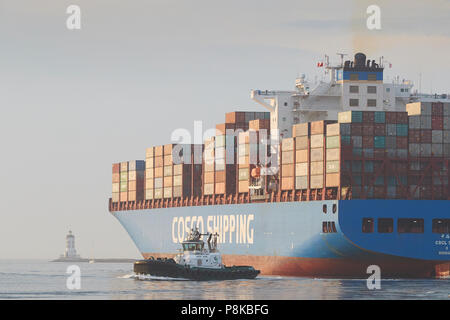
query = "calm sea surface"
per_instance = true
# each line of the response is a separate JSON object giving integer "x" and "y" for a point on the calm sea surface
{"x": 37, "y": 279}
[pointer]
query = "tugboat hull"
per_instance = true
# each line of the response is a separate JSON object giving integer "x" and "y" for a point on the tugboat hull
{"x": 169, "y": 268}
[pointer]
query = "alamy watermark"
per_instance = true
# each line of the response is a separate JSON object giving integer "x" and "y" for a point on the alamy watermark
{"x": 374, "y": 280}
{"x": 73, "y": 281}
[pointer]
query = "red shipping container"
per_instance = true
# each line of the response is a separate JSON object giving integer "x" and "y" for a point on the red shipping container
{"x": 437, "y": 109}
{"x": 116, "y": 168}
{"x": 425, "y": 136}
{"x": 368, "y": 129}
{"x": 414, "y": 135}
{"x": 367, "y": 142}
{"x": 391, "y": 117}
{"x": 402, "y": 117}
{"x": 402, "y": 143}
{"x": 235, "y": 117}
{"x": 221, "y": 129}
{"x": 356, "y": 129}
{"x": 368, "y": 116}
{"x": 379, "y": 129}
{"x": 378, "y": 153}
{"x": 437, "y": 122}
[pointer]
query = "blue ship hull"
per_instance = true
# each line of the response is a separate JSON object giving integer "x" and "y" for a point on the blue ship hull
{"x": 299, "y": 239}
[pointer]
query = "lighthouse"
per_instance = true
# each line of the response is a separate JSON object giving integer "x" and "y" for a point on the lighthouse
{"x": 70, "y": 252}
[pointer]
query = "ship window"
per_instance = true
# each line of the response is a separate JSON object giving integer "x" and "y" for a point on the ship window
{"x": 334, "y": 208}
{"x": 371, "y": 102}
{"x": 324, "y": 227}
{"x": 402, "y": 90}
{"x": 388, "y": 89}
{"x": 441, "y": 225}
{"x": 371, "y": 89}
{"x": 354, "y": 76}
{"x": 330, "y": 229}
{"x": 324, "y": 208}
{"x": 367, "y": 225}
{"x": 333, "y": 226}
{"x": 354, "y": 89}
{"x": 354, "y": 102}
{"x": 372, "y": 77}
{"x": 410, "y": 225}
{"x": 285, "y": 104}
{"x": 385, "y": 225}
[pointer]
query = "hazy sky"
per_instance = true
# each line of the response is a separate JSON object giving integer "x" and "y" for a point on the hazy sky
{"x": 73, "y": 102}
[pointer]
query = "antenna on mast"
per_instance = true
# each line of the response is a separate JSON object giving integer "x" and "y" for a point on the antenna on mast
{"x": 342, "y": 57}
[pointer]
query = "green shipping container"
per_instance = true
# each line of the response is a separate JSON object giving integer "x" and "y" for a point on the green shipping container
{"x": 123, "y": 187}
{"x": 332, "y": 142}
{"x": 346, "y": 140}
{"x": 124, "y": 176}
{"x": 380, "y": 117}
{"x": 380, "y": 142}
{"x": 402, "y": 130}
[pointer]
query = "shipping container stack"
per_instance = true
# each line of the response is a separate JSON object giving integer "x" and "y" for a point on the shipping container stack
{"x": 167, "y": 171}
{"x": 208, "y": 167}
{"x": 136, "y": 178}
{"x": 429, "y": 149}
{"x": 374, "y": 137}
{"x": 301, "y": 133}
{"x": 333, "y": 156}
{"x": 187, "y": 170}
{"x": 220, "y": 166}
{"x": 287, "y": 163}
{"x": 158, "y": 173}
{"x": 115, "y": 182}
{"x": 123, "y": 197}
{"x": 149, "y": 173}
{"x": 252, "y": 153}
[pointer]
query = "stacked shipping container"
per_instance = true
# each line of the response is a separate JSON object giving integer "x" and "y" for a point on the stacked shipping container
{"x": 252, "y": 152}
{"x": 373, "y": 154}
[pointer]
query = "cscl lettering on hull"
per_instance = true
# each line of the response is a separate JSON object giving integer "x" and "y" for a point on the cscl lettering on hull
{"x": 231, "y": 228}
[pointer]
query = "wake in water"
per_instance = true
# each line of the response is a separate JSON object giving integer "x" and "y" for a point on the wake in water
{"x": 149, "y": 277}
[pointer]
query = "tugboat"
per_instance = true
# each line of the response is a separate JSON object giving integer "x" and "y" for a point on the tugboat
{"x": 195, "y": 262}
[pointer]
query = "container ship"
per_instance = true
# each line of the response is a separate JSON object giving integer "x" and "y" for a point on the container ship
{"x": 333, "y": 177}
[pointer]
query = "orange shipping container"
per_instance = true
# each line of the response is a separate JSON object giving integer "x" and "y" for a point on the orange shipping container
{"x": 209, "y": 177}
{"x": 317, "y": 154}
{"x": 333, "y": 179}
{"x": 287, "y": 157}
{"x": 287, "y": 170}
{"x": 168, "y": 149}
{"x": 159, "y": 162}
{"x": 243, "y": 186}
{"x": 301, "y": 156}
{"x": 319, "y": 127}
{"x": 159, "y": 172}
{"x": 123, "y": 196}
{"x": 333, "y": 154}
{"x": 220, "y": 176}
{"x": 316, "y": 181}
{"x": 159, "y": 151}
{"x": 300, "y": 129}
{"x": 220, "y": 188}
{"x": 316, "y": 167}
{"x": 167, "y": 181}
{"x": 287, "y": 183}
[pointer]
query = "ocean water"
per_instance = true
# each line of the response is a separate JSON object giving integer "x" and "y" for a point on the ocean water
{"x": 37, "y": 279}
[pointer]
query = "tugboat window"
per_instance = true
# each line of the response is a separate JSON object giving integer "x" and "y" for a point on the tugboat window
{"x": 324, "y": 208}
{"x": 441, "y": 225}
{"x": 334, "y": 208}
{"x": 410, "y": 225}
{"x": 367, "y": 225}
{"x": 385, "y": 225}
